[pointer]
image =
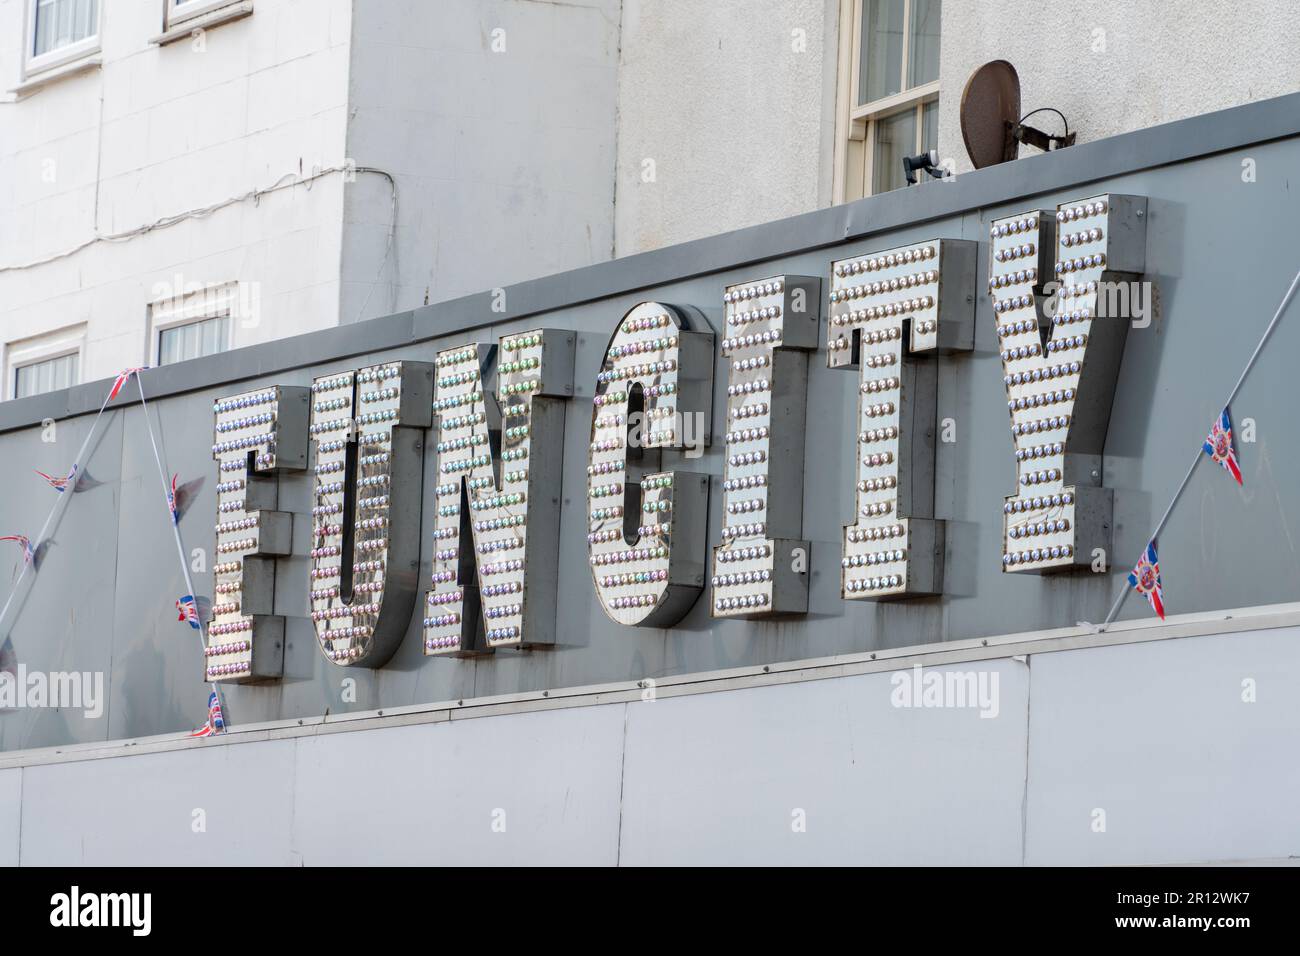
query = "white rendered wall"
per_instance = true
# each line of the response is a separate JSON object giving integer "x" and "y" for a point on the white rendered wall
{"x": 497, "y": 117}
{"x": 159, "y": 130}
{"x": 741, "y": 129}
{"x": 1115, "y": 67}
{"x": 733, "y": 102}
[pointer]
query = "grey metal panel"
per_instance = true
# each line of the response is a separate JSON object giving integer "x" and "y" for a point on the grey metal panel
{"x": 439, "y": 794}
{"x": 1225, "y": 548}
{"x": 140, "y": 811}
{"x": 1159, "y": 738}
{"x": 719, "y": 778}
{"x": 157, "y": 674}
{"x": 11, "y": 796}
{"x": 62, "y": 616}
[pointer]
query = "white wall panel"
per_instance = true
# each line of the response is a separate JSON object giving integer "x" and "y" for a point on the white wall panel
{"x": 140, "y": 810}
{"x": 536, "y": 788}
{"x": 718, "y": 778}
{"x": 1156, "y": 734}
{"x": 1160, "y": 738}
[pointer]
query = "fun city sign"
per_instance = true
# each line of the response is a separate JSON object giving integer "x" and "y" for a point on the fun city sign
{"x": 495, "y": 541}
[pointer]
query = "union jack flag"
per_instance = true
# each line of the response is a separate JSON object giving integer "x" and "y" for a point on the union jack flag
{"x": 188, "y": 611}
{"x": 24, "y": 542}
{"x": 1145, "y": 579}
{"x": 1218, "y": 445}
{"x": 216, "y": 724}
{"x": 59, "y": 484}
{"x": 123, "y": 377}
{"x": 171, "y": 501}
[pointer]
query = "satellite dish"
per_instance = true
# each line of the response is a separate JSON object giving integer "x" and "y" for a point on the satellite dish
{"x": 991, "y": 123}
{"x": 990, "y": 111}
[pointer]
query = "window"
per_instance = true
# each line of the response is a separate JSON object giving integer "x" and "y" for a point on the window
{"x": 60, "y": 31}
{"x": 193, "y": 339}
{"x": 44, "y": 363}
{"x": 46, "y": 376}
{"x": 889, "y": 92}
{"x": 178, "y": 11}
{"x": 195, "y": 323}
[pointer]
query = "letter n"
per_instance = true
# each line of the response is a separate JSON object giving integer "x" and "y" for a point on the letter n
{"x": 496, "y": 535}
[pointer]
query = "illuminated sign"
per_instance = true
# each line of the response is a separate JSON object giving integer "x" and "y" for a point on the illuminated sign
{"x": 761, "y": 566}
{"x": 496, "y": 536}
{"x": 1060, "y": 385}
{"x": 646, "y": 526}
{"x": 500, "y": 443}
{"x": 258, "y": 435}
{"x": 368, "y": 431}
{"x": 924, "y": 295}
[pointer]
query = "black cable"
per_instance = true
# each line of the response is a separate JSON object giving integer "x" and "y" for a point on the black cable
{"x": 1047, "y": 109}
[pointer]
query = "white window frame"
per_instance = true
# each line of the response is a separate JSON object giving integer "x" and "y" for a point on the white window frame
{"x": 176, "y": 14}
{"x": 189, "y": 309}
{"x": 41, "y": 348}
{"x": 856, "y": 125}
{"x": 33, "y": 64}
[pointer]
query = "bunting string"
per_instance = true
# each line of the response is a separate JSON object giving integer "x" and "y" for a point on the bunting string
{"x": 60, "y": 500}
{"x": 1149, "y": 549}
{"x": 187, "y": 606}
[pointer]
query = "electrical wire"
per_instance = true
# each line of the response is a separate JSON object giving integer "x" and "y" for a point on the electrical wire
{"x": 202, "y": 212}
{"x": 1047, "y": 109}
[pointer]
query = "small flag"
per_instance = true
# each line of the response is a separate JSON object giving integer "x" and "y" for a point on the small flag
{"x": 171, "y": 501}
{"x": 187, "y": 611}
{"x": 1145, "y": 579}
{"x": 85, "y": 482}
{"x": 24, "y": 542}
{"x": 59, "y": 484}
{"x": 1218, "y": 445}
{"x": 123, "y": 377}
{"x": 8, "y": 665}
{"x": 182, "y": 496}
{"x": 216, "y": 724}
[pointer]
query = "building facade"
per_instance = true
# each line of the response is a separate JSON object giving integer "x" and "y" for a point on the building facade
{"x": 191, "y": 176}
{"x": 848, "y": 601}
{"x": 253, "y": 171}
